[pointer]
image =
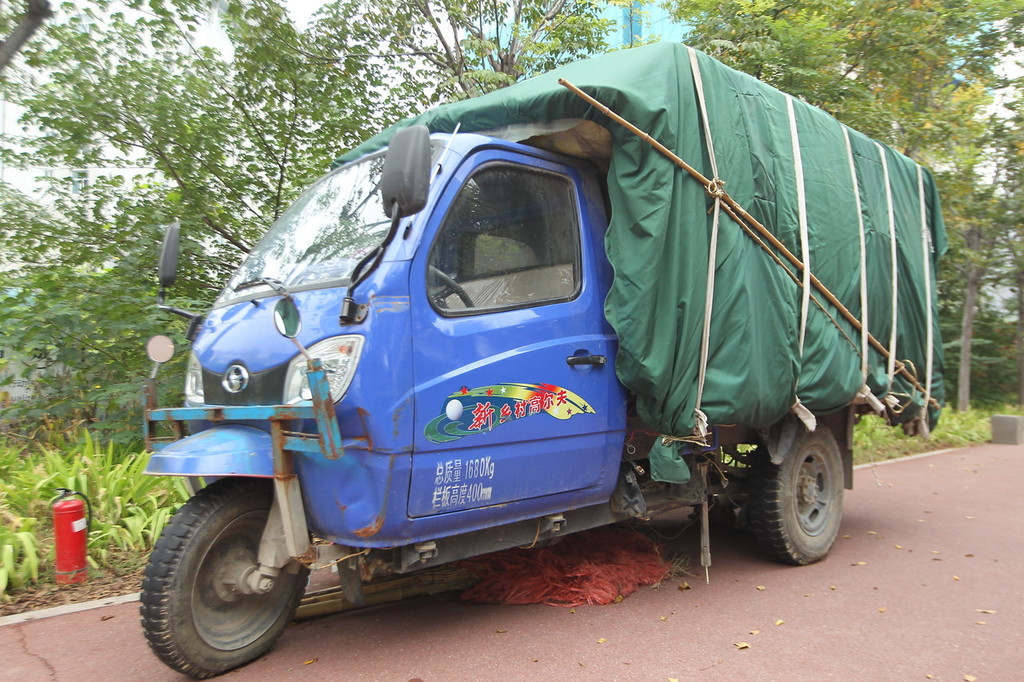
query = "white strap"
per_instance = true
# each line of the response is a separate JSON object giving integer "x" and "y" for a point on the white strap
{"x": 864, "y": 364}
{"x": 895, "y": 270}
{"x": 806, "y": 417}
{"x": 701, "y": 421}
{"x": 801, "y": 201}
{"x": 926, "y": 248}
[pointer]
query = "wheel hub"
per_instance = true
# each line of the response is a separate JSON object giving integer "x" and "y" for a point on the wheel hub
{"x": 812, "y": 495}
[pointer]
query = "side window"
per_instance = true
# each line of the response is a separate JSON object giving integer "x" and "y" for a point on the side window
{"x": 510, "y": 239}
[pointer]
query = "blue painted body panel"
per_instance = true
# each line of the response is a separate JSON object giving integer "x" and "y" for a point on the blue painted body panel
{"x": 392, "y": 486}
{"x": 229, "y": 450}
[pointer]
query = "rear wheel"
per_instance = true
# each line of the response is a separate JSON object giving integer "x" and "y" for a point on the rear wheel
{"x": 197, "y": 614}
{"x": 795, "y": 507}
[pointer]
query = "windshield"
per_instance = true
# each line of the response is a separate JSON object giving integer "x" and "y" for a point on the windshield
{"x": 320, "y": 238}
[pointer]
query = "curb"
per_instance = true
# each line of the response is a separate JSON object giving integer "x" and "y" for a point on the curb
{"x": 920, "y": 455}
{"x": 67, "y": 608}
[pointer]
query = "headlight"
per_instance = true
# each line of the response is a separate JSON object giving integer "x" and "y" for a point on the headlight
{"x": 340, "y": 356}
{"x": 194, "y": 383}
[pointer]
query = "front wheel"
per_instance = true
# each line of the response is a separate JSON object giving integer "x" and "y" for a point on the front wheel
{"x": 795, "y": 507}
{"x": 196, "y": 617}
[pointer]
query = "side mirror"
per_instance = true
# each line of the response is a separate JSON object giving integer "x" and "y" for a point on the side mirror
{"x": 286, "y": 318}
{"x": 160, "y": 348}
{"x": 406, "y": 176}
{"x": 168, "y": 272}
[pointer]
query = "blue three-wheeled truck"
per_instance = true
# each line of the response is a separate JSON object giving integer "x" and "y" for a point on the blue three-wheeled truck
{"x": 528, "y": 314}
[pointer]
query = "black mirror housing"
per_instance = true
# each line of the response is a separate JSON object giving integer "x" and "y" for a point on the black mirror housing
{"x": 168, "y": 271}
{"x": 405, "y": 178}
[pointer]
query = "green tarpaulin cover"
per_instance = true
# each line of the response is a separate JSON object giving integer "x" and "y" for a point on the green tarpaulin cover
{"x": 788, "y": 164}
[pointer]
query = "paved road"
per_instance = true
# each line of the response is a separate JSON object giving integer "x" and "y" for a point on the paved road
{"x": 926, "y": 582}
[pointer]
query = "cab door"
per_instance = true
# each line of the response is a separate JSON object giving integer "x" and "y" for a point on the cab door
{"x": 515, "y": 390}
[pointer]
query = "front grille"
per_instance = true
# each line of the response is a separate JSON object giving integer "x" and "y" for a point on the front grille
{"x": 264, "y": 388}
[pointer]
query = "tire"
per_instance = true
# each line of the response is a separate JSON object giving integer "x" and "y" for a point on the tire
{"x": 796, "y": 507}
{"x": 194, "y": 621}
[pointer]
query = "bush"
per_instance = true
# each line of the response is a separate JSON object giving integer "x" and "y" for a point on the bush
{"x": 129, "y": 508}
{"x": 874, "y": 441}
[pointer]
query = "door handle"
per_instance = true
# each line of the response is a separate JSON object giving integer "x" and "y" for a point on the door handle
{"x": 574, "y": 360}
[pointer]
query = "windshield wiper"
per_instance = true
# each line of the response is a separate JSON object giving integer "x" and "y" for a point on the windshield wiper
{"x": 275, "y": 284}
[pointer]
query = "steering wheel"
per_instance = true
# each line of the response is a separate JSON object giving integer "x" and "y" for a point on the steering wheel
{"x": 450, "y": 287}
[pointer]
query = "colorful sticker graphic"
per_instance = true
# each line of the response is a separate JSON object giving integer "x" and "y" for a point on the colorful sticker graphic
{"x": 478, "y": 410}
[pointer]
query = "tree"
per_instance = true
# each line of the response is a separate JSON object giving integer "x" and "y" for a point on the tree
{"x": 894, "y": 69}
{"x": 1009, "y": 143}
{"x": 220, "y": 139}
{"x": 464, "y": 49}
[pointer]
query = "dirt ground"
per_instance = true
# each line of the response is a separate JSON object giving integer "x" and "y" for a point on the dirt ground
{"x": 101, "y": 584}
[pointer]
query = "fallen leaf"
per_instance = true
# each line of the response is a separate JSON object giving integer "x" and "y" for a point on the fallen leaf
{"x": 956, "y": 577}
{"x": 980, "y": 622}
{"x": 755, "y": 632}
{"x": 929, "y": 677}
{"x": 618, "y": 598}
{"x": 847, "y": 536}
{"x": 985, "y": 611}
{"x": 572, "y": 610}
{"x": 808, "y": 595}
{"x": 968, "y": 517}
{"x": 105, "y": 617}
{"x": 742, "y": 645}
{"x": 501, "y": 632}
{"x": 684, "y": 586}
{"x": 920, "y": 520}
{"x": 601, "y": 640}
{"x": 673, "y": 679}
{"x": 832, "y": 587}
{"x": 882, "y": 609}
{"x": 664, "y": 618}
{"x": 861, "y": 563}
{"x": 779, "y": 622}
{"x": 312, "y": 660}
{"x": 969, "y": 556}
{"x": 970, "y": 678}
{"x": 898, "y": 546}
{"x": 935, "y": 551}
{"x": 761, "y": 588}
{"x": 871, "y": 532}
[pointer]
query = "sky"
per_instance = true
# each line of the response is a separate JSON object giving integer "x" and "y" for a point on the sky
{"x": 302, "y": 10}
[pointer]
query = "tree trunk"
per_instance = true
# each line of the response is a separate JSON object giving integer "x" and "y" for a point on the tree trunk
{"x": 1020, "y": 338}
{"x": 38, "y": 12}
{"x": 975, "y": 274}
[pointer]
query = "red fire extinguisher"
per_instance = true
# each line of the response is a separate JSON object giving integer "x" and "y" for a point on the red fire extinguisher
{"x": 71, "y": 519}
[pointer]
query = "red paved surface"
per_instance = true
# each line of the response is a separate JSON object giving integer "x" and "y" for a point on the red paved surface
{"x": 904, "y": 595}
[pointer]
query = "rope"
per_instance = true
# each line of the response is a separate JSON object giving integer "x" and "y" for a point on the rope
{"x": 895, "y": 272}
{"x": 801, "y": 201}
{"x": 927, "y": 256}
{"x": 864, "y": 366}
{"x": 749, "y": 223}
{"x": 716, "y": 190}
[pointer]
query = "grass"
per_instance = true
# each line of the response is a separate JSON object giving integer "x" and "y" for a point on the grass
{"x": 874, "y": 441}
